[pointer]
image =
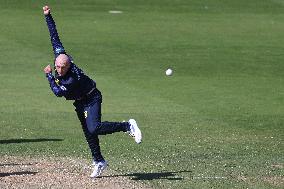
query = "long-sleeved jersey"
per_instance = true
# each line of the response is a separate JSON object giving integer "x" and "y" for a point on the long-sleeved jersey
{"x": 74, "y": 84}
{"x": 54, "y": 37}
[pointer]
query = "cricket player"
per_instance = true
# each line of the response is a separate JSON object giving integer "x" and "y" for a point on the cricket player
{"x": 70, "y": 82}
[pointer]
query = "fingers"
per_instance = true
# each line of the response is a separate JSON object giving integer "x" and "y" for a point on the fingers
{"x": 46, "y": 10}
{"x": 47, "y": 69}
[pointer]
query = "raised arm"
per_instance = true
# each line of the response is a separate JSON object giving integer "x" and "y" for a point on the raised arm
{"x": 55, "y": 41}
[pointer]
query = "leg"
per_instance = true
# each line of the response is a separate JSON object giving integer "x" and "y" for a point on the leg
{"x": 94, "y": 145}
{"x": 92, "y": 140}
{"x": 93, "y": 118}
{"x": 95, "y": 126}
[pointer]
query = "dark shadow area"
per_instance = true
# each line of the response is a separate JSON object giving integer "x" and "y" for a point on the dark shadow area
{"x": 8, "y": 164}
{"x": 17, "y": 173}
{"x": 13, "y": 164}
{"x": 152, "y": 176}
{"x": 13, "y": 141}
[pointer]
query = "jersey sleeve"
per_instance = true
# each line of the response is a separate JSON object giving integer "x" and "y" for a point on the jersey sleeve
{"x": 54, "y": 37}
{"x": 57, "y": 89}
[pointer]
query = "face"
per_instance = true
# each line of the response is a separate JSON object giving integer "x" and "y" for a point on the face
{"x": 62, "y": 65}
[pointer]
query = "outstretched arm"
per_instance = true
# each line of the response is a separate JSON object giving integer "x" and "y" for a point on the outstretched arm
{"x": 55, "y": 41}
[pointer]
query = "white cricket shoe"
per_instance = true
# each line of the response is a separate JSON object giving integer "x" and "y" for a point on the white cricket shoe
{"x": 94, "y": 163}
{"x": 135, "y": 131}
{"x": 99, "y": 168}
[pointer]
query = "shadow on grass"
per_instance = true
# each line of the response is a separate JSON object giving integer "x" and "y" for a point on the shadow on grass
{"x": 12, "y": 164}
{"x": 17, "y": 173}
{"x": 12, "y": 141}
{"x": 152, "y": 176}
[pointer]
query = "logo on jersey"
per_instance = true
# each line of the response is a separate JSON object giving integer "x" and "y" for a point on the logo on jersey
{"x": 57, "y": 81}
{"x": 63, "y": 88}
{"x": 59, "y": 50}
{"x": 86, "y": 114}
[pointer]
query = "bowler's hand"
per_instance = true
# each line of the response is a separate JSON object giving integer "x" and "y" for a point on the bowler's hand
{"x": 46, "y": 10}
{"x": 47, "y": 69}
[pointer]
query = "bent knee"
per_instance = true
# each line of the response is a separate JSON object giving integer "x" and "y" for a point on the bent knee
{"x": 93, "y": 127}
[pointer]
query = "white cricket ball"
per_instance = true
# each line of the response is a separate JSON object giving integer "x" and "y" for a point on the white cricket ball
{"x": 169, "y": 72}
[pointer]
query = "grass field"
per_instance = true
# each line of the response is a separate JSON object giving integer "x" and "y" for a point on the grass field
{"x": 216, "y": 123}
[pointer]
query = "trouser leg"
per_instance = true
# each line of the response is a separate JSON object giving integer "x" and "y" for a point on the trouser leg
{"x": 90, "y": 118}
{"x": 94, "y": 124}
{"x": 92, "y": 139}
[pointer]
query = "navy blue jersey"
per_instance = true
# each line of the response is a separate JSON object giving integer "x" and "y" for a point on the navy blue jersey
{"x": 54, "y": 37}
{"x": 74, "y": 84}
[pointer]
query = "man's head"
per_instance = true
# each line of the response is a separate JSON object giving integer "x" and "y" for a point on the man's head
{"x": 62, "y": 64}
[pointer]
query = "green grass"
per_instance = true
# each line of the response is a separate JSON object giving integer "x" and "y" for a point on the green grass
{"x": 216, "y": 123}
